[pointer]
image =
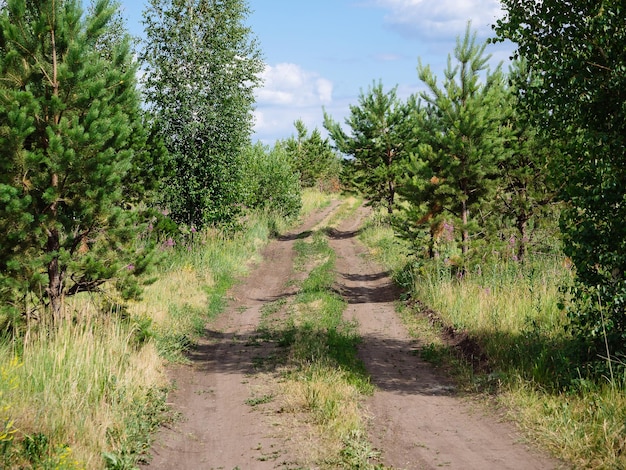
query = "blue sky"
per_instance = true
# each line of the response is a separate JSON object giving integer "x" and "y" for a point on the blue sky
{"x": 320, "y": 54}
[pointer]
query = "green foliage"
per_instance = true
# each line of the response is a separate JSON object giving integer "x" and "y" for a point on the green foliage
{"x": 70, "y": 134}
{"x": 132, "y": 443}
{"x": 452, "y": 173}
{"x": 201, "y": 70}
{"x": 526, "y": 192}
{"x": 314, "y": 158}
{"x": 271, "y": 182}
{"x": 581, "y": 100}
{"x": 380, "y": 128}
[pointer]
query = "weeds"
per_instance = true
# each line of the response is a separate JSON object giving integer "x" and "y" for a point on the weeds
{"x": 255, "y": 401}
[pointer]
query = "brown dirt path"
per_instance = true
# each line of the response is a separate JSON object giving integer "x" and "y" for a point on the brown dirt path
{"x": 218, "y": 428}
{"x": 415, "y": 418}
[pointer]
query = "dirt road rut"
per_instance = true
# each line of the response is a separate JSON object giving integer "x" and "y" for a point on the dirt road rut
{"x": 416, "y": 421}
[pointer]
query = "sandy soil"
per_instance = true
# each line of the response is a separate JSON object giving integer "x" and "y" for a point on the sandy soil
{"x": 416, "y": 420}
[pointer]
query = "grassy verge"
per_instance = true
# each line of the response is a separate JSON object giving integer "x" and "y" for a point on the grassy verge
{"x": 322, "y": 381}
{"x": 509, "y": 318}
{"x": 81, "y": 397}
{"x": 90, "y": 395}
{"x": 192, "y": 287}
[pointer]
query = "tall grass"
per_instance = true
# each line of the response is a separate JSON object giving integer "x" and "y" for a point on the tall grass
{"x": 191, "y": 288}
{"x": 313, "y": 200}
{"x": 510, "y": 313}
{"x": 90, "y": 393}
{"x": 76, "y": 392}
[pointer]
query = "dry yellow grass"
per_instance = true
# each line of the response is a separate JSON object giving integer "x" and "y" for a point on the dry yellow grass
{"x": 182, "y": 285}
{"x": 81, "y": 383}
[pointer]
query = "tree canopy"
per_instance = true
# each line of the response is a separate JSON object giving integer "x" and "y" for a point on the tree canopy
{"x": 202, "y": 66}
{"x": 313, "y": 157}
{"x": 578, "y": 51}
{"x": 70, "y": 133}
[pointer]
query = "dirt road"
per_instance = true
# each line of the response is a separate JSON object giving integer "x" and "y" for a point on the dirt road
{"x": 416, "y": 421}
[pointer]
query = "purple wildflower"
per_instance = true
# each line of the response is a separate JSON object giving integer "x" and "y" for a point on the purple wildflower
{"x": 448, "y": 231}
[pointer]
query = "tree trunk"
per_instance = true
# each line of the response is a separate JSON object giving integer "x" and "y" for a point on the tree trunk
{"x": 433, "y": 252}
{"x": 390, "y": 197}
{"x": 465, "y": 234}
{"x": 55, "y": 277}
{"x": 390, "y": 181}
{"x": 522, "y": 227}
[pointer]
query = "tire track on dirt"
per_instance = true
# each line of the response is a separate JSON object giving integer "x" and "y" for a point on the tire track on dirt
{"x": 416, "y": 419}
{"x": 218, "y": 429}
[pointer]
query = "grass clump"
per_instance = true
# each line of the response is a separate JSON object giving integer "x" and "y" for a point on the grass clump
{"x": 313, "y": 200}
{"x": 81, "y": 393}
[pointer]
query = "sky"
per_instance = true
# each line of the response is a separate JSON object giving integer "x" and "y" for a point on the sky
{"x": 321, "y": 54}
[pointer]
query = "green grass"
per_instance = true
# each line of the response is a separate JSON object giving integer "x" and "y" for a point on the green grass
{"x": 512, "y": 311}
{"x": 313, "y": 200}
{"x": 82, "y": 392}
{"x": 322, "y": 377}
{"x": 511, "y": 314}
{"x": 90, "y": 394}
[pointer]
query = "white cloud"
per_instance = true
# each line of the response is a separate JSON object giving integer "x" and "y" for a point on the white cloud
{"x": 325, "y": 90}
{"x": 438, "y": 19}
{"x": 289, "y": 93}
{"x": 289, "y": 84}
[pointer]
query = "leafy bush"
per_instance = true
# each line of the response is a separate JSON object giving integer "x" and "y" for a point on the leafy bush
{"x": 314, "y": 158}
{"x": 271, "y": 182}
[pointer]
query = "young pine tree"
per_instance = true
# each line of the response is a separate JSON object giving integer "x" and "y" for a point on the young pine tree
{"x": 69, "y": 124}
{"x": 458, "y": 158}
{"x": 313, "y": 157}
{"x": 379, "y": 130}
{"x": 526, "y": 190}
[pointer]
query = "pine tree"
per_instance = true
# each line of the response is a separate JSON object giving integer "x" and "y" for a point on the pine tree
{"x": 526, "y": 189}
{"x": 68, "y": 132}
{"x": 457, "y": 159}
{"x": 313, "y": 157}
{"x": 379, "y": 129}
